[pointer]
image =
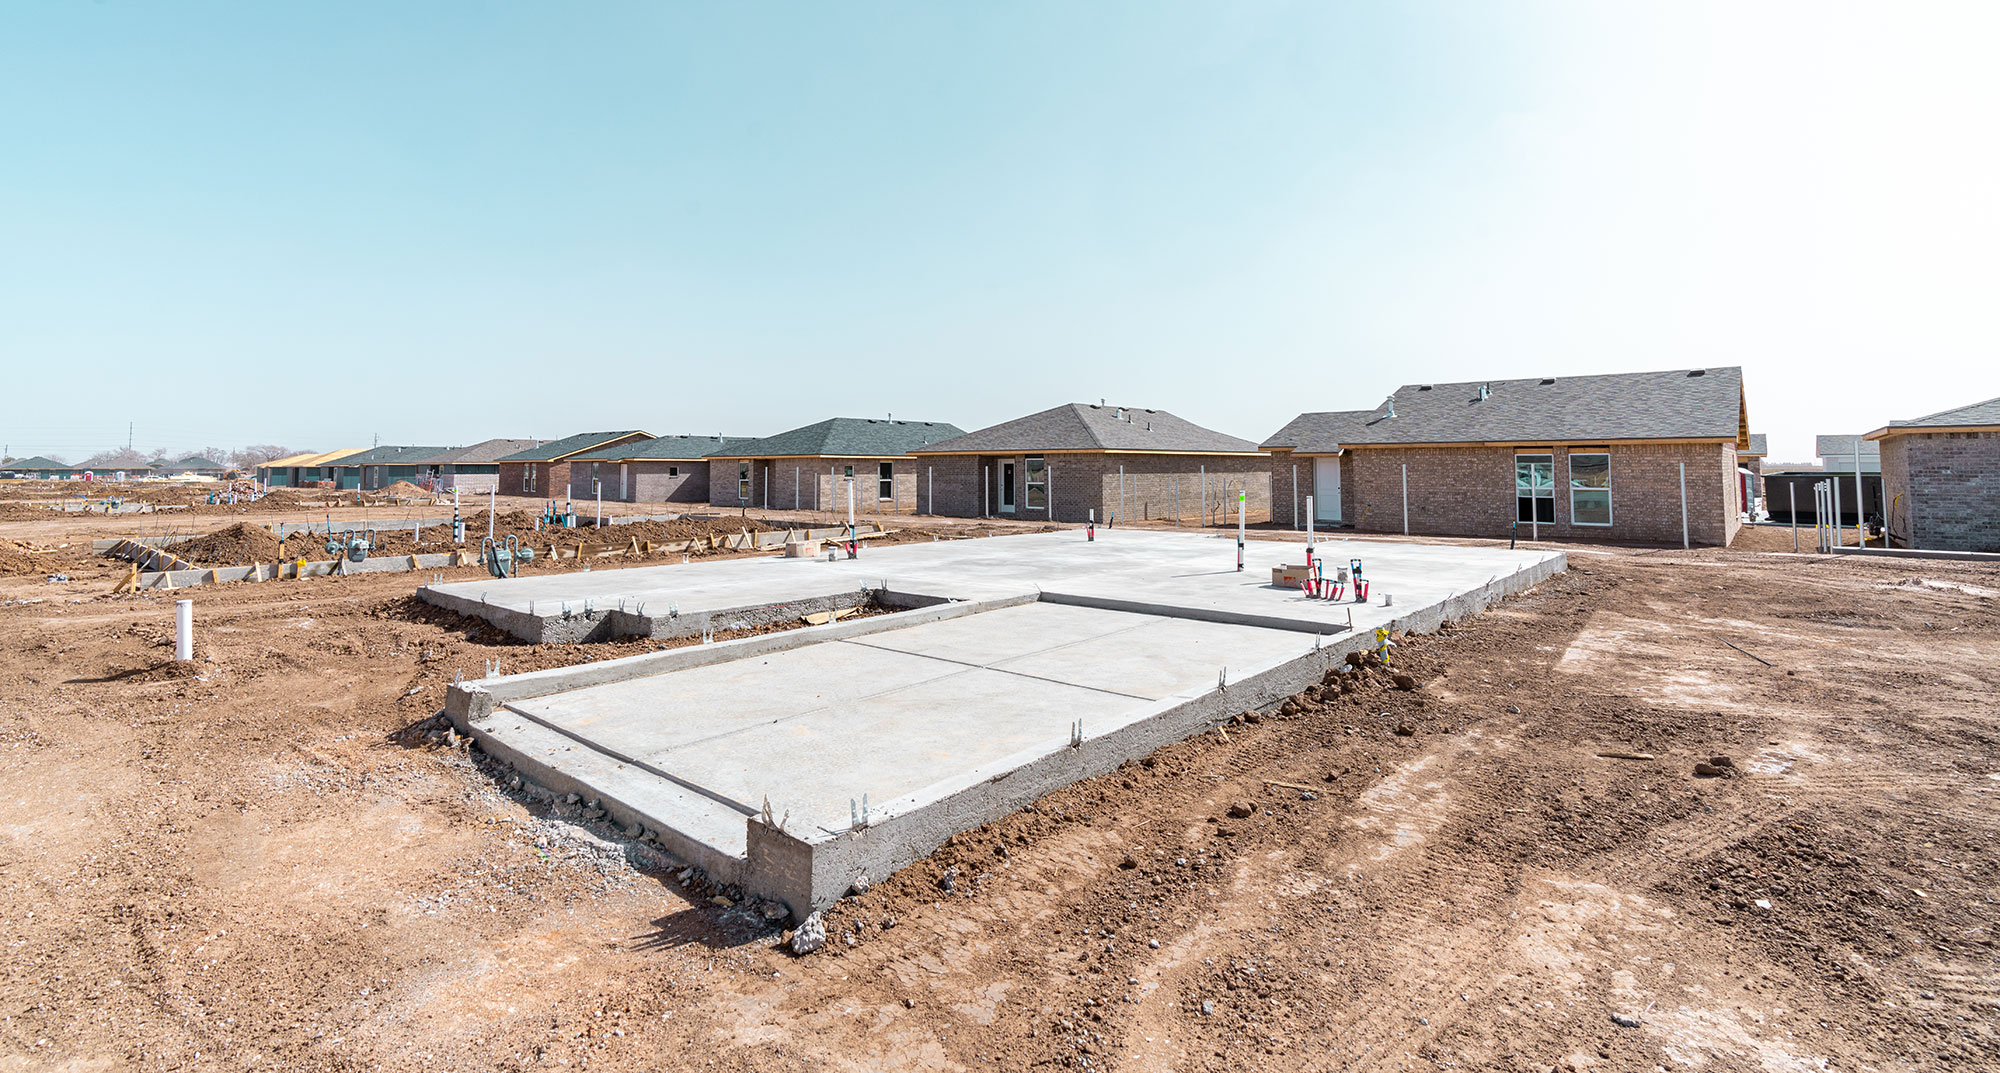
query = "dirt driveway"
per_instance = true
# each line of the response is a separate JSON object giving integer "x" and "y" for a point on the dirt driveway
{"x": 268, "y": 860}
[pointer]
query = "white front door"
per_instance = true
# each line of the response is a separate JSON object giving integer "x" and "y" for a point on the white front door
{"x": 1326, "y": 489}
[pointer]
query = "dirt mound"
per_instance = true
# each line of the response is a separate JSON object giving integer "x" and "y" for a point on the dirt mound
{"x": 15, "y": 562}
{"x": 239, "y": 545}
{"x": 401, "y": 488}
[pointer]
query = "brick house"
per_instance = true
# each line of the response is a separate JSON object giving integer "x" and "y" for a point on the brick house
{"x": 1078, "y": 460}
{"x": 808, "y": 468}
{"x": 664, "y": 469}
{"x": 1941, "y": 475}
{"x": 474, "y": 470}
{"x": 379, "y": 467}
{"x": 1579, "y": 458}
{"x": 544, "y": 470}
{"x": 1751, "y": 459}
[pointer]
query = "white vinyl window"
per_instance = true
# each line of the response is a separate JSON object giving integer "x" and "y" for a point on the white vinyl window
{"x": 1590, "y": 488}
{"x": 885, "y": 480}
{"x": 1038, "y": 483}
{"x": 1535, "y": 488}
{"x": 743, "y": 482}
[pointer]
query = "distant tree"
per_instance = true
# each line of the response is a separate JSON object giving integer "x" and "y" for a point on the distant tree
{"x": 217, "y": 455}
{"x": 254, "y": 455}
{"x": 158, "y": 454}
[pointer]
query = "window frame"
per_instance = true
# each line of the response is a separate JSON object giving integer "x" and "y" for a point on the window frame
{"x": 885, "y": 481}
{"x": 1536, "y": 493}
{"x": 743, "y": 481}
{"x": 1035, "y": 485}
{"x": 1610, "y": 516}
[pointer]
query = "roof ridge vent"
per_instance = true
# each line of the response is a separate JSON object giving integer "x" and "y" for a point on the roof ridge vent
{"x": 1423, "y": 387}
{"x": 1547, "y": 380}
{"x": 1697, "y": 372}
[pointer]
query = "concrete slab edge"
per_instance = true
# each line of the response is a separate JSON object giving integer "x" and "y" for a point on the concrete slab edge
{"x": 477, "y": 699}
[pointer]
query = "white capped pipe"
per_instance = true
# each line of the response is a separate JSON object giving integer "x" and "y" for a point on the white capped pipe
{"x": 850, "y": 506}
{"x": 492, "y": 497}
{"x": 1241, "y": 498}
{"x": 183, "y": 630}
{"x": 1309, "y": 526}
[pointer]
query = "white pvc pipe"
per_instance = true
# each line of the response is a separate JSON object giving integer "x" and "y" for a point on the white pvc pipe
{"x": 930, "y": 486}
{"x": 1792, "y": 493}
{"x": 1684, "y": 505}
{"x": 1295, "y": 495}
{"x": 1241, "y": 499}
{"x": 1860, "y": 499}
{"x": 600, "y": 503}
{"x": 492, "y": 497}
{"x": 1309, "y": 525}
{"x": 850, "y": 506}
{"x": 1121, "y": 494}
{"x": 985, "y": 485}
{"x": 183, "y": 630}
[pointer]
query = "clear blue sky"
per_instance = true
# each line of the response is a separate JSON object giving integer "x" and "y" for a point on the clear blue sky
{"x": 435, "y": 223}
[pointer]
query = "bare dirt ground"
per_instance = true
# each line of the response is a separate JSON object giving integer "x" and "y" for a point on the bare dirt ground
{"x": 267, "y": 859}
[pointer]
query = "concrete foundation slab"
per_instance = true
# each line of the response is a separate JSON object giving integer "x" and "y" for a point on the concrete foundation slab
{"x": 1040, "y": 659}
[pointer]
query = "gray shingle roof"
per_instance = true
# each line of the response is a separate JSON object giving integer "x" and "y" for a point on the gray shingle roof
{"x": 485, "y": 451}
{"x": 386, "y": 456}
{"x": 668, "y": 448}
{"x": 557, "y": 450}
{"x": 846, "y": 437}
{"x": 37, "y": 462}
{"x": 1317, "y": 433}
{"x": 1671, "y": 405}
{"x": 1841, "y": 448}
{"x": 1078, "y": 426}
{"x": 1757, "y": 446}
{"x": 1979, "y": 413}
{"x": 194, "y": 462}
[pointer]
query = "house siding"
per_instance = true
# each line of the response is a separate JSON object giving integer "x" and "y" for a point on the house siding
{"x": 1949, "y": 489}
{"x": 1469, "y": 491}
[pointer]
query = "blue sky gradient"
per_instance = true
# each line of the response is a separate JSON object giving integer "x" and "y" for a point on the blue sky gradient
{"x": 436, "y": 223}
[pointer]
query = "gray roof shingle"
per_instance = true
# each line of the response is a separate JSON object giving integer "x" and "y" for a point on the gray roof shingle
{"x": 557, "y": 450}
{"x": 386, "y": 456}
{"x": 1319, "y": 433}
{"x": 667, "y": 448}
{"x": 1676, "y": 404}
{"x": 1081, "y": 426}
{"x": 846, "y": 437}
{"x": 485, "y": 451}
{"x": 1757, "y": 445}
{"x": 1841, "y": 448}
{"x": 1979, "y": 413}
{"x": 37, "y": 462}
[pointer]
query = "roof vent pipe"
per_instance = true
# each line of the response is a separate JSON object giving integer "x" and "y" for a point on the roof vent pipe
{"x": 1484, "y": 391}
{"x": 1392, "y": 406}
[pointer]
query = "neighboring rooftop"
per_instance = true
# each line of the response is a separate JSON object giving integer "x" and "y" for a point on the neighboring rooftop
{"x": 309, "y": 459}
{"x": 557, "y": 450}
{"x": 1320, "y": 433}
{"x": 1676, "y": 404}
{"x": 1081, "y": 426}
{"x": 37, "y": 462}
{"x": 1838, "y": 452}
{"x": 1982, "y": 415}
{"x": 667, "y": 449}
{"x": 485, "y": 451}
{"x": 846, "y": 437}
{"x": 1757, "y": 447}
{"x": 389, "y": 456}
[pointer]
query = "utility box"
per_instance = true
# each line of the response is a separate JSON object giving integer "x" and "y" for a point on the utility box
{"x": 802, "y": 549}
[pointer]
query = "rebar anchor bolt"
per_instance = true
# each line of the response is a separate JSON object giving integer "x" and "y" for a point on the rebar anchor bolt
{"x": 857, "y": 815}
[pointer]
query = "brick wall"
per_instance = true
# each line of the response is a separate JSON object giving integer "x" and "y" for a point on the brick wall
{"x": 1469, "y": 491}
{"x": 551, "y": 479}
{"x": 1950, "y": 488}
{"x": 818, "y": 484}
{"x": 665, "y": 481}
{"x": 1292, "y": 481}
{"x": 1154, "y": 486}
